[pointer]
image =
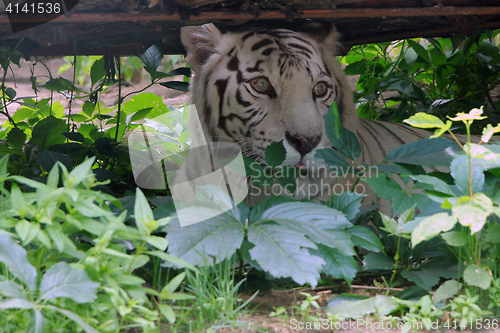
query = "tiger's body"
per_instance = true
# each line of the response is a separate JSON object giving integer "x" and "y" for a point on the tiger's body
{"x": 262, "y": 86}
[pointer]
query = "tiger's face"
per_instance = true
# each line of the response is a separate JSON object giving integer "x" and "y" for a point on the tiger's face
{"x": 260, "y": 87}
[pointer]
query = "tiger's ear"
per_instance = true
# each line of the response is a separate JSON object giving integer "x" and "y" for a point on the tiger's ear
{"x": 200, "y": 43}
{"x": 324, "y": 33}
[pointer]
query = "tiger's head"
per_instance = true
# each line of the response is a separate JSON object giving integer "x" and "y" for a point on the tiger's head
{"x": 263, "y": 86}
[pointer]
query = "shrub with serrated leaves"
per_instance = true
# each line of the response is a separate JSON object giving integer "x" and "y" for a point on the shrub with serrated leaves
{"x": 66, "y": 220}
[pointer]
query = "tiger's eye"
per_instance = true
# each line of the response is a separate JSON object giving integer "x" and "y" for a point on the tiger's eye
{"x": 261, "y": 84}
{"x": 320, "y": 89}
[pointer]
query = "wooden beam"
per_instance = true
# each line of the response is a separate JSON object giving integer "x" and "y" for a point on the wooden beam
{"x": 222, "y": 15}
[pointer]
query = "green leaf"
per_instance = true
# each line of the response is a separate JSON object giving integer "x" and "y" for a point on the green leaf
{"x": 81, "y": 173}
{"x": 424, "y": 120}
{"x": 478, "y": 276}
{"x": 186, "y": 71}
{"x": 426, "y": 152}
{"x": 473, "y": 212}
{"x": 16, "y": 139}
{"x": 436, "y": 183}
{"x": 388, "y": 188}
{"x": 460, "y": 173}
{"x": 167, "y": 312}
{"x": 152, "y": 57}
{"x": 275, "y": 154}
{"x": 61, "y": 85}
{"x": 172, "y": 285}
{"x": 48, "y": 132}
{"x": 15, "y": 258}
{"x": 17, "y": 303}
{"x": 218, "y": 237}
{"x": 382, "y": 305}
{"x": 12, "y": 289}
{"x": 169, "y": 258}
{"x": 319, "y": 216}
{"x": 264, "y": 205}
{"x": 455, "y": 238}
{"x": 420, "y": 50}
{"x": 425, "y": 278}
{"x": 27, "y": 231}
{"x": 88, "y": 108}
{"x": 158, "y": 242}
{"x": 365, "y": 238}
{"x": 341, "y": 138}
{"x": 337, "y": 265}
{"x": 281, "y": 253}
{"x": 177, "y": 85}
{"x": 75, "y": 136}
{"x": 348, "y": 203}
{"x": 431, "y": 227}
{"x": 97, "y": 71}
{"x": 11, "y": 93}
{"x": 446, "y": 291}
{"x": 141, "y": 114}
{"x": 48, "y": 159}
{"x": 377, "y": 261}
{"x": 73, "y": 316}
{"x": 62, "y": 280}
{"x": 143, "y": 214}
{"x": 411, "y": 293}
{"x": 332, "y": 158}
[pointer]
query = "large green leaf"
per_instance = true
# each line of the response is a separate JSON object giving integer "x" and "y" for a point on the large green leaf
{"x": 478, "y": 276}
{"x": 348, "y": 203}
{"x": 446, "y": 291}
{"x": 332, "y": 158}
{"x": 473, "y": 212}
{"x": 198, "y": 244}
{"x": 283, "y": 253}
{"x": 377, "y": 261}
{"x": 97, "y": 71}
{"x": 335, "y": 239}
{"x": 425, "y": 279}
{"x": 264, "y": 205}
{"x": 337, "y": 264}
{"x": 382, "y": 305}
{"x": 48, "y": 159}
{"x": 12, "y": 289}
{"x": 15, "y": 258}
{"x": 73, "y": 316}
{"x": 152, "y": 57}
{"x": 426, "y": 152}
{"x": 343, "y": 140}
{"x": 388, "y": 188}
{"x": 144, "y": 219}
{"x": 48, "y": 132}
{"x": 432, "y": 226}
{"x": 460, "y": 173}
{"x": 275, "y": 154}
{"x": 436, "y": 183}
{"x": 365, "y": 238}
{"x": 16, "y": 139}
{"x": 320, "y": 216}
{"x": 62, "y": 280}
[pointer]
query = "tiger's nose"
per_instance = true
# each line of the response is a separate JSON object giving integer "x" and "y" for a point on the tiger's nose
{"x": 301, "y": 143}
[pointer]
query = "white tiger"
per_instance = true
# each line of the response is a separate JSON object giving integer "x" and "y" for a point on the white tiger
{"x": 262, "y": 86}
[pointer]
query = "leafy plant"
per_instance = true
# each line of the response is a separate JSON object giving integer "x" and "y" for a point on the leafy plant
{"x": 440, "y": 76}
{"x": 60, "y": 280}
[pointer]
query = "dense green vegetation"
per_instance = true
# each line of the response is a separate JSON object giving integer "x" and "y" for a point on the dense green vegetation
{"x": 83, "y": 249}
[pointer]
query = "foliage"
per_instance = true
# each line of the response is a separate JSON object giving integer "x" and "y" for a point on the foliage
{"x": 52, "y": 135}
{"x": 440, "y": 76}
{"x": 65, "y": 219}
